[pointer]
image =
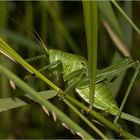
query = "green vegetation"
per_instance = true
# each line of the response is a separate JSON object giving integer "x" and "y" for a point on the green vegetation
{"x": 101, "y": 32}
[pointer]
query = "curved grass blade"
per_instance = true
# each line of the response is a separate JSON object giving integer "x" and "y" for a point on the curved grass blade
{"x": 19, "y": 101}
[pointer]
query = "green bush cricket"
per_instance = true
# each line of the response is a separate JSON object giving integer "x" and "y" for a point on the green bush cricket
{"x": 74, "y": 70}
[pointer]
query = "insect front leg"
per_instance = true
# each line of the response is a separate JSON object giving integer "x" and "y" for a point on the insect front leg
{"x": 73, "y": 79}
{"x": 127, "y": 92}
{"x": 54, "y": 66}
{"x": 35, "y": 58}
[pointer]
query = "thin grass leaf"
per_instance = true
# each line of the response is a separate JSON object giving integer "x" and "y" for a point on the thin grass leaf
{"x": 126, "y": 17}
{"x": 91, "y": 28}
{"x": 19, "y": 101}
{"x": 32, "y": 93}
{"x": 93, "y": 53}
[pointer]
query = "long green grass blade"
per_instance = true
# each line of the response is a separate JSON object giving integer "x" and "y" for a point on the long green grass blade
{"x": 32, "y": 93}
{"x": 19, "y": 101}
{"x": 91, "y": 28}
{"x": 93, "y": 53}
{"x": 127, "y": 18}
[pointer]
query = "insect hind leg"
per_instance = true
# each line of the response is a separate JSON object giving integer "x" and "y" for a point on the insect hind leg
{"x": 127, "y": 92}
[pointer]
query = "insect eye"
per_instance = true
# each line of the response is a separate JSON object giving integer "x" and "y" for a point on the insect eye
{"x": 83, "y": 63}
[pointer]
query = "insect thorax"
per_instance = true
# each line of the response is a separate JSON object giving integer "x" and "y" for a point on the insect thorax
{"x": 70, "y": 62}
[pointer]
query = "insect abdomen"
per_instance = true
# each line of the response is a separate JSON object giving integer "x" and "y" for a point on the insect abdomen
{"x": 102, "y": 99}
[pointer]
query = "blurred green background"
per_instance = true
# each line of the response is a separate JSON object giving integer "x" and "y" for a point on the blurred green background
{"x": 61, "y": 26}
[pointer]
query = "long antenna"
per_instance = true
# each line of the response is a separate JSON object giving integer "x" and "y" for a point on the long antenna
{"x": 38, "y": 40}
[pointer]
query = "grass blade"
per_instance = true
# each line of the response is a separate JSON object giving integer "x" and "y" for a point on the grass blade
{"x": 91, "y": 27}
{"x": 19, "y": 101}
{"x": 126, "y": 17}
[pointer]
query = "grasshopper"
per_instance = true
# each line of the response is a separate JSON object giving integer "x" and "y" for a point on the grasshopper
{"x": 74, "y": 71}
